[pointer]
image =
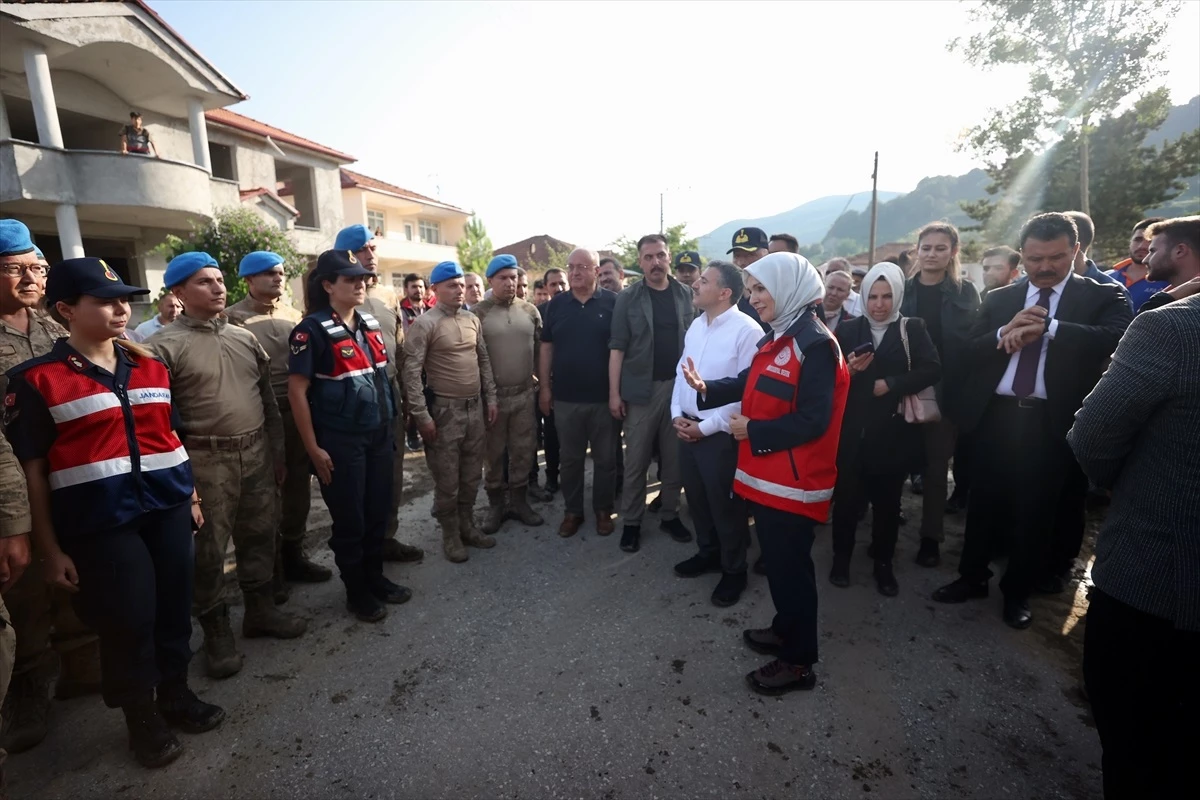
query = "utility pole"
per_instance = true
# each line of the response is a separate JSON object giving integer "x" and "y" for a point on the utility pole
{"x": 660, "y": 212}
{"x": 874, "y": 209}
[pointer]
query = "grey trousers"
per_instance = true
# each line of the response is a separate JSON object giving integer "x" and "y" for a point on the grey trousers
{"x": 645, "y": 423}
{"x": 578, "y": 425}
{"x": 719, "y": 515}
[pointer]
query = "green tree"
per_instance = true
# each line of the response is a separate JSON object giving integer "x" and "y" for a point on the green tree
{"x": 1131, "y": 177}
{"x": 1085, "y": 58}
{"x": 228, "y": 237}
{"x": 474, "y": 248}
{"x": 677, "y": 241}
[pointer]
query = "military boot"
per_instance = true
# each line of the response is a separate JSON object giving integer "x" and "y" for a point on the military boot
{"x": 471, "y": 535}
{"x": 396, "y": 550}
{"x": 26, "y": 712}
{"x": 521, "y": 509}
{"x": 299, "y": 568}
{"x": 220, "y": 652}
{"x": 263, "y": 619}
{"x": 80, "y": 673}
{"x": 452, "y": 543}
{"x": 180, "y": 708}
{"x": 493, "y": 518}
{"x": 150, "y": 739}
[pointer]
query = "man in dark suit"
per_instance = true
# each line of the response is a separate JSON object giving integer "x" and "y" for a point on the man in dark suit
{"x": 1036, "y": 351}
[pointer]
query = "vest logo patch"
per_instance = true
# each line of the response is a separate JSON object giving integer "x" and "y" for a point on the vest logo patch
{"x": 347, "y": 351}
{"x": 784, "y": 356}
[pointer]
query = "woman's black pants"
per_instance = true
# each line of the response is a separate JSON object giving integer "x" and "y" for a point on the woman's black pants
{"x": 883, "y": 492}
{"x": 786, "y": 540}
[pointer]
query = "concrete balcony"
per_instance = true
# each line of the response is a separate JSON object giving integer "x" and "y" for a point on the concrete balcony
{"x": 392, "y": 249}
{"x": 106, "y": 186}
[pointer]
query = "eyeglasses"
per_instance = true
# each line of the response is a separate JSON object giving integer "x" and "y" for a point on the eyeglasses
{"x": 19, "y": 270}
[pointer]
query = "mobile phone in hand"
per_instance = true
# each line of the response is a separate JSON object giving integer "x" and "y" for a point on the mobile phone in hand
{"x": 863, "y": 349}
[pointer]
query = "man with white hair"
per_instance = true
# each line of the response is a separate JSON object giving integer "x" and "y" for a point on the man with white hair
{"x": 853, "y": 304}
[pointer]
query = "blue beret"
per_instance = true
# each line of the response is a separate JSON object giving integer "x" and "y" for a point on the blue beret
{"x": 258, "y": 261}
{"x": 37, "y": 251}
{"x": 14, "y": 238}
{"x": 353, "y": 238}
{"x": 185, "y": 265}
{"x": 444, "y": 272}
{"x": 500, "y": 262}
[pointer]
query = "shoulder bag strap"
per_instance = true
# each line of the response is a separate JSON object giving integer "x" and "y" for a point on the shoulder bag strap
{"x": 904, "y": 341}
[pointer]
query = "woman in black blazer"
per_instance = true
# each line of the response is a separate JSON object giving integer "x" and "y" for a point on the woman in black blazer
{"x": 878, "y": 448}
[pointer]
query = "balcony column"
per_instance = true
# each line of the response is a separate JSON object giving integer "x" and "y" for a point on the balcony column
{"x": 41, "y": 94}
{"x": 5, "y": 129}
{"x": 68, "y": 231}
{"x": 199, "y": 130}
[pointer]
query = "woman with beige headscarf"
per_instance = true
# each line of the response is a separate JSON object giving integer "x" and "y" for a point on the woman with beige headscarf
{"x": 792, "y": 399}
{"x": 878, "y": 448}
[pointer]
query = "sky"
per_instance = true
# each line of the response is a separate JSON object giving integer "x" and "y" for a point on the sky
{"x": 570, "y": 118}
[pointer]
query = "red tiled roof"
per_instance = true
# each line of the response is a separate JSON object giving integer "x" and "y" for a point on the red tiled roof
{"x": 352, "y": 180}
{"x": 534, "y": 250}
{"x": 884, "y": 252}
{"x": 246, "y": 194}
{"x": 231, "y": 119}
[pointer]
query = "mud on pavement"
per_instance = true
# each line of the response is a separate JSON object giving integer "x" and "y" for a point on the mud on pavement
{"x": 552, "y": 668}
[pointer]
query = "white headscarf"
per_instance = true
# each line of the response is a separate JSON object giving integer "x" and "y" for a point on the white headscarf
{"x": 794, "y": 284}
{"x": 895, "y": 278}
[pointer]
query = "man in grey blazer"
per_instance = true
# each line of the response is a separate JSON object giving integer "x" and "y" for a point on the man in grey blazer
{"x": 1138, "y": 435}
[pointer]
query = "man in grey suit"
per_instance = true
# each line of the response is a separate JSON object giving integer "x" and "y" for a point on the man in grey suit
{"x": 1138, "y": 435}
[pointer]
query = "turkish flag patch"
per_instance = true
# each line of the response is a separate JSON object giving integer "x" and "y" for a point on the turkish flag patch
{"x": 299, "y": 337}
{"x": 10, "y": 400}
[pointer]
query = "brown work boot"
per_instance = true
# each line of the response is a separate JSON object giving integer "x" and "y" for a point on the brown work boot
{"x": 570, "y": 525}
{"x": 396, "y": 550}
{"x": 522, "y": 510}
{"x": 299, "y": 568}
{"x": 452, "y": 544}
{"x": 220, "y": 652}
{"x": 471, "y": 535}
{"x": 604, "y": 522}
{"x": 26, "y": 712}
{"x": 493, "y": 518}
{"x": 80, "y": 673}
{"x": 263, "y": 619}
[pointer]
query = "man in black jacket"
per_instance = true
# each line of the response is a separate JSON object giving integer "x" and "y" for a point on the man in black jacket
{"x": 1036, "y": 351}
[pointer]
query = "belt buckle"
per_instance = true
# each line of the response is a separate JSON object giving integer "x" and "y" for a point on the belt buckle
{"x": 1027, "y": 402}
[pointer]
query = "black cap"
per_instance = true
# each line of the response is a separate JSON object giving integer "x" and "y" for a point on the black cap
{"x": 688, "y": 259}
{"x": 92, "y": 276}
{"x": 339, "y": 262}
{"x": 750, "y": 240}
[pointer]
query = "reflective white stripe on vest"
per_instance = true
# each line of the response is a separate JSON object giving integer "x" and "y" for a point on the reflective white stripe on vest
{"x": 786, "y": 492}
{"x": 86, "y": 473}
{"x": 351, "y": 374}
{"x": 92, "y": 404}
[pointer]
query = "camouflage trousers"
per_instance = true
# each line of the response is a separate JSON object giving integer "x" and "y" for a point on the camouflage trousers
{"x": 8, "y": 652}
{"x": 295, "y": 496}
{"x": 516, "y": 431}
{"x": 455, "y": 456}
{"x": 45, "y": 623}
{"x": 393, "y": 521}
{"x": 237, "y": 488}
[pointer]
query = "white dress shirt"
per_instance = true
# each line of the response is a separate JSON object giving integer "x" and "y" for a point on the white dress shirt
{"x": 853, "y": 304}
{"x": 719, "y": 349}
{"x": 147, "y": 329}
{"x": 1005, "y": 387}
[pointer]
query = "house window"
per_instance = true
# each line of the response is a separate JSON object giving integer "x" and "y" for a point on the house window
{"x": 296, "y": 184}
{"x": 431, "y": 232}
{"x": 220, "y": 156}
{"x": 398, "y": 281}
{"x": 408, "y": 231}
{"x": 376, "y": 222}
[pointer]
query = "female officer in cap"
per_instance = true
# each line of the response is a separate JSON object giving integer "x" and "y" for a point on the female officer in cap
{"x": 113, "y": 502}
{"x": 344, "y": 409}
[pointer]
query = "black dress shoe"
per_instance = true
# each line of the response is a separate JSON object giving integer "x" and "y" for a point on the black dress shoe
{"x": 697, "y": 565}
{"x": 760, "y": 566}
{"x": 885, "y": 580}
{"x": 1017, "y": 614}
{"x": 929, "y": 555}
{"x": 763, "y": 640}
{"x": 729, "y": 589}
{"x": 362, "y": 604}
{"x": 631, "y": 538}
{"x": 677, "y": 529}
{"x": 839, "y": 574}
{"x": 960, "y": 591}
{"x": 780, "y": 677}
{"x": 180, "y": 708}
{"x": 385, "y": 591}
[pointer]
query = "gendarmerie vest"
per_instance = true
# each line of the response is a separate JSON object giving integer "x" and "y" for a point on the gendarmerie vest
{"x": 356, "y": 393}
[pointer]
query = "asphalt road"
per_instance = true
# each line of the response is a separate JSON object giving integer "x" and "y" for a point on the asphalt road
{"x": 550, "y": 668}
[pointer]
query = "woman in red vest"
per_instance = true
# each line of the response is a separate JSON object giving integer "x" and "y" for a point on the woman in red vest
{"x": 113, "y": 502}
{"x": 792, "y": 398}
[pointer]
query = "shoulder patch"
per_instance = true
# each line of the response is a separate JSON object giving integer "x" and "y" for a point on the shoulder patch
{"x": 299, "y": 337}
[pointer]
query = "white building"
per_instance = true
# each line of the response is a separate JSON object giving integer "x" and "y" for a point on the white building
{"x": 70, "y": 73}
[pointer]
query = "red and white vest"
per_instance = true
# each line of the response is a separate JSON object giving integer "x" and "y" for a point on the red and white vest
{"x": 114, "y": 455}
{"x": 799, "y": 480}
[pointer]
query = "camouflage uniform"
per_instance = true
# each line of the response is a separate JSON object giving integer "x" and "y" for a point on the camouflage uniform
{"x": 512, "y": 331}
{"x": 14, "y": 521}
{"x": 48, "y": 630}
{"x": 449, "y": 346}
{"x": 221, "y": 384}
{"x": 272, "y": 324}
